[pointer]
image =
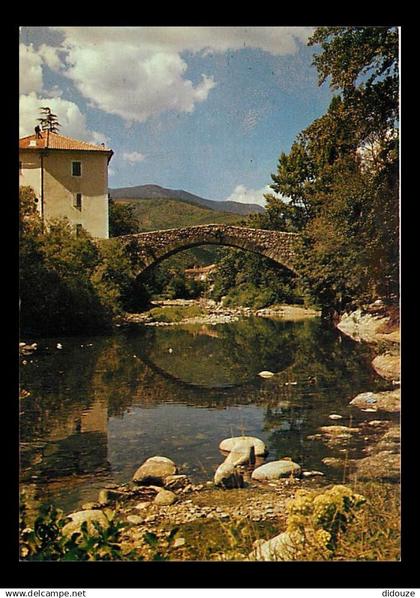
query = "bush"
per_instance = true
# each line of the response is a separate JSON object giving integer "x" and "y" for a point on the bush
{"x": 45, "y": 541}
{"x": 68, "y": 284}
{"x": 341, "y": 524}
{"x": 253, "y": 281}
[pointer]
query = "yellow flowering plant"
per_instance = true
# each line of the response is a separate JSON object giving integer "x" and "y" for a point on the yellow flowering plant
{"x": 316, "y": 520}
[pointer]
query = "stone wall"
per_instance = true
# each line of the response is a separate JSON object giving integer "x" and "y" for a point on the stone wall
{"x": 152, "y": 247}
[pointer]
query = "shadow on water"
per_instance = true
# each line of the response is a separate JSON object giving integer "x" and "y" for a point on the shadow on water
{"x": 102, "y": 405}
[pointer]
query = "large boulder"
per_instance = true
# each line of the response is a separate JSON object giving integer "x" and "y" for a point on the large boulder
{"x": 389, "y": 401}
{"x": 154, "y": 471}
{"x": 387, "y": 366}
{"x": 242, "y": 443}
{"x": 244, "y": 456}
{"x": 275, "y": 470}
{"x": 89, "y": 516}
{"x": 227, "y": 476}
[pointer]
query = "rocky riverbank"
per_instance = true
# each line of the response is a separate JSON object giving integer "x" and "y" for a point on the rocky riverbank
{"x": 159, "y": 502}
{"x": 210, "y": 312}
{"x": 379, "y": 326}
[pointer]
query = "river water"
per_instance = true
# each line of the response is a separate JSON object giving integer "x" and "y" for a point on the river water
{"x": 100, "y": 405}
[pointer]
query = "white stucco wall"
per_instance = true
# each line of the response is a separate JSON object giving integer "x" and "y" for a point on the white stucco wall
{"x": 60, "y": 187}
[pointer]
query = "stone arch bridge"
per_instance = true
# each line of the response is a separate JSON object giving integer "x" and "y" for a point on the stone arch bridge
{"x": 148, "y": 249}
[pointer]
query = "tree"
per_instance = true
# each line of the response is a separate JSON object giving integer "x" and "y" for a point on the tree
{"x": 48, "y": 120}
{"x": 341, "y": 174}
{"x": 68, "y": 283}
{"x": 122, "y": 219}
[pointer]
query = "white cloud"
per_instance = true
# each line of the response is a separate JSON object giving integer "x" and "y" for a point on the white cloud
{"x": 33, "y": 96}
{"x": 138, "y": 72}
{"x": 30, "y": 69}
{"x": 73, "y": 122}
{"x": 244, "y": 195}
{"x": 50, "y": 56}
{"x": 275, "y": 40}
{"x": 135, "y": 84}
{"x": 133, "y": 157}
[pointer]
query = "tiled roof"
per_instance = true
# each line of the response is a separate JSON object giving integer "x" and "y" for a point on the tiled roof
{"x": 60, "y": 142}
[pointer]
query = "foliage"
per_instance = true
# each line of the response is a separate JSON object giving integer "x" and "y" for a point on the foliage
{"x": 318, "y": 520}
{"x": 338, "y": 185}
{"x": 248, "y": 279}
{"x": 161, "y": 548}
{"x": 167, "y": 280}
{"x": 341, "y": 524}
{"x": 122, "y": 219}
{"x": 375, "y": 534}
{"x": 46, "y": 541}
{"x": 48, "y": 120}
{"x": 68, "y": 283}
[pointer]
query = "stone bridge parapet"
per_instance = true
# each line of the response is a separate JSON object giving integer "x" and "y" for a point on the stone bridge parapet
{"x": 152, "y": 247}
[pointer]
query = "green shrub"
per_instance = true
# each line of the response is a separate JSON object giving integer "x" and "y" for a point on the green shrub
{"x": 70, "y": 284}
{"x": 175, "y": 314}
{"x": 45, "y": 541}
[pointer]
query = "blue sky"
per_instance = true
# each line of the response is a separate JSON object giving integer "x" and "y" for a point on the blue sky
{"x": 205, "y": 109}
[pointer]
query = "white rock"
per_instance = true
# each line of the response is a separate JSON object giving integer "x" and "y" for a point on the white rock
{"x": 89, "y": 516}
{"x": 227, "y": 476}
{"x": 242, "y": 443}
{"x": 335, "y": 416}
{"x": 241, "y": 457}
{"x": 279, "y": 548}
{"x": 154, "y": 471}
{"x": 266, "y": 374}
{"x": 275, "y": 470}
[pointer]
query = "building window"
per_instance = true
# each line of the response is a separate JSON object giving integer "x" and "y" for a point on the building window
{"x": 79, "y": 229}
{"x": 76, "y": 168}
{"x": 77, "y": 201}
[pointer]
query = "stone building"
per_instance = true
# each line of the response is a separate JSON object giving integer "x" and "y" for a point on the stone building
{"x": 200, "y": 274}
{"x": 70, "y": 179}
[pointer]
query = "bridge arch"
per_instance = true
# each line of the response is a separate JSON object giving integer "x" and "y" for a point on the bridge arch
{"x": 153, "y": 247}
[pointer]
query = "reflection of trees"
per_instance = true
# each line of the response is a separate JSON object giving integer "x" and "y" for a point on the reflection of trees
{"x": 236, "y": 355}
{"x": 329, "y": 370}
{"x": 74, "y": 392}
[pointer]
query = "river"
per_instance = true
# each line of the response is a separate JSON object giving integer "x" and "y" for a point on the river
{"x": 100, "y": 405}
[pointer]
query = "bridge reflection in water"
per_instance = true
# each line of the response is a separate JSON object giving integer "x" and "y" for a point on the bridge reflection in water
{"x": 95, "y": 412}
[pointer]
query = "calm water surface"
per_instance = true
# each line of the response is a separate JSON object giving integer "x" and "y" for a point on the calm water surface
{"x": 101, "y": 405}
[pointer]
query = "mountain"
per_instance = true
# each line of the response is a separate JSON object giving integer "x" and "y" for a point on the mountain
{"x": 163, "y": 213}
{"x": 147, "y": 192}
